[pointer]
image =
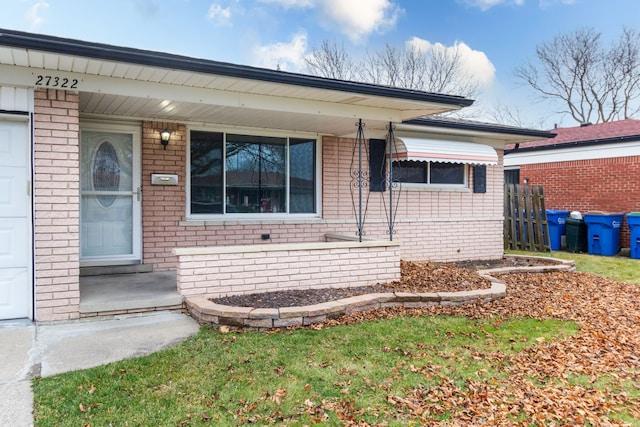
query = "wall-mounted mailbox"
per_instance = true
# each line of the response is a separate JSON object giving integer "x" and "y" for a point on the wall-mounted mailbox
{"x": 164, "y": 179}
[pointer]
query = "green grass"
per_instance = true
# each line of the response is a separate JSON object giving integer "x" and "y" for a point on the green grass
{"x": 618, "y": 268}
{"x": 292, "y": 378}
{"x": 305, "y": 377}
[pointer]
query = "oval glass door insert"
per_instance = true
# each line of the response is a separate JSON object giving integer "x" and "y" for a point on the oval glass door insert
{"x": 106, "y": 173}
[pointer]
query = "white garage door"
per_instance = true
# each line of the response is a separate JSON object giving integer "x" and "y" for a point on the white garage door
{"x": 15, "y": 220}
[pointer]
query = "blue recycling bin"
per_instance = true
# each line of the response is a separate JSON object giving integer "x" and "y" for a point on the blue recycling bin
{"x": 603, "y": 233}
{"x": 633, "y": 219}
{"x": 557, "y": 227}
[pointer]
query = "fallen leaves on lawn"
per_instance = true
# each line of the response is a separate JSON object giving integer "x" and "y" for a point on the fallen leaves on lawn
{"x": 540, "y": 386}
{"x": 278, "y": 395}
{"x": 436, "y": 277}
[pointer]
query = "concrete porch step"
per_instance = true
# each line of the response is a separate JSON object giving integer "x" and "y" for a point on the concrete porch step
{"x": 128, "y": 293}
{"x": 115, "y": 269}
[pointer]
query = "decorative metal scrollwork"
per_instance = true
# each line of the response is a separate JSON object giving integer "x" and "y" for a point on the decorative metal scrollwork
{"x": 359, "y": 180}
{"x": 394, "y": 185}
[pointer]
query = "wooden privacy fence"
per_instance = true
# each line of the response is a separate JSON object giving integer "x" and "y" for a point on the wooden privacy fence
{"x": 525, "y": 218}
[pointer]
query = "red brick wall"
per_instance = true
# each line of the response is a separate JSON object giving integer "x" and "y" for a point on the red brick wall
{"x": 434, "y": 225}
{"x": 163, "y": 207}
{"x": 57, "y": 202}
{"x": 609, "y": 185}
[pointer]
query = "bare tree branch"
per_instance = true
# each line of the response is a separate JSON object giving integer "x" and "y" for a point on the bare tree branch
{"x": 593, "y": 84}
{"x": 437, "y": 69}
{"x": 331, "y": 61}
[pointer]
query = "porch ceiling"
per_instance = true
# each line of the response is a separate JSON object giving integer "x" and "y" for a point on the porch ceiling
{"x": 129, "y": 107}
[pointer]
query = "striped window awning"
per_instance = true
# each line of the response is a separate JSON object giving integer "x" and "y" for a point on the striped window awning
{"x": 435, "y": 150}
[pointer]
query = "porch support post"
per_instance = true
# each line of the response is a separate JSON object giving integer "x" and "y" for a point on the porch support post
{"x": 391, "y": 139}
{"x": 358, "y": 180}
{"x": 393, "y": 185}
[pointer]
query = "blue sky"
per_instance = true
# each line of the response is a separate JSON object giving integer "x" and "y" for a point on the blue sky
{"x": 497, "y": 35}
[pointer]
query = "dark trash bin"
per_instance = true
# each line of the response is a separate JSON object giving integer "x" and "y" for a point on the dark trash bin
{"x": 633, "y": 219}
{"x": 557, "y": 227}
{"x": 576, "y": 230}
{"x": 603, "y": 231}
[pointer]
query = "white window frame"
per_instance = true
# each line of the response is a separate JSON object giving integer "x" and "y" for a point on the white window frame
{"x": 438, "y": 187}
{"x": 254, "y": 216}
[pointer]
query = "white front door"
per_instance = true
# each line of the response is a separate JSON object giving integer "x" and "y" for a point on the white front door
{"x": 15, "y": 219}
{"x": 110, "y": 196}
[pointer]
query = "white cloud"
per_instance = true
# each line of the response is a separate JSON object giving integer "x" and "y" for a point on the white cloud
{"x": 359, "y": 18}
{"x": 475, "y": 63}
{"x": 354, "y": 18}
{"x": 219, "y": 15}
{"x": 287, "y": 56}
{"x": 33, "y": 14}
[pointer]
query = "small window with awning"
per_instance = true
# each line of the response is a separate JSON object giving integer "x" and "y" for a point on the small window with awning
{"x": 438, "y": 162}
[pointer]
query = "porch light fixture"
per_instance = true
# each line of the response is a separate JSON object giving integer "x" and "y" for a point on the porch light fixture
{"x": 165, "y": 135}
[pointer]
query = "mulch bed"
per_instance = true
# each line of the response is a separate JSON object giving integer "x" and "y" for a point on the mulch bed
{"x": 415, "y": 277}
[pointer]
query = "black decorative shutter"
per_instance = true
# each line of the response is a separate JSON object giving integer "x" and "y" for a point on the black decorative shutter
{"x": 480, "y": 179}
{"x": 377, "y": 165}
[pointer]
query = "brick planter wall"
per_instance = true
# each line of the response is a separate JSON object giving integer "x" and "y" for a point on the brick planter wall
{"x": 249, "y": 318}
{"x": 231, "y": 270}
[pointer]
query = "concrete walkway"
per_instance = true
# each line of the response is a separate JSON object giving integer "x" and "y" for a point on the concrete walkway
{"x": 29, "y": 350}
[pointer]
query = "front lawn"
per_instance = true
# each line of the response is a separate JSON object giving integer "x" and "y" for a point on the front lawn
{"x": 619, "y": 268}
{"x": 560, "y": 349}
{"x": 292, "y": 378}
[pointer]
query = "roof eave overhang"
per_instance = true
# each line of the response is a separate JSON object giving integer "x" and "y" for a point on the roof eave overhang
{"x": 495, "y": 135}
{"x": 593, "y": 142}
{"x": 106, "y": 52}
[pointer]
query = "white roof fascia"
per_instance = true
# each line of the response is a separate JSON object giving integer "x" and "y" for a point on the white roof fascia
{"x": 494, "y": 139}
{"x": 589, "y": 152}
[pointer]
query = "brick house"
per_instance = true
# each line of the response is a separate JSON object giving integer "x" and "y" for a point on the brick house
{"x": 592, "y": 167}
{"x": 259, "y": 171}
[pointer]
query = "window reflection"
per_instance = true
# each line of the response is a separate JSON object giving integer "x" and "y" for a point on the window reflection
{"x": 256, "y": 174}
{"x": 206, "y": 172}
{"x": 429, "y": 172}
{"x": 261, "y": 174}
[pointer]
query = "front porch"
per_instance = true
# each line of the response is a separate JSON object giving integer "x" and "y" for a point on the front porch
{"x": 127, "y": 293}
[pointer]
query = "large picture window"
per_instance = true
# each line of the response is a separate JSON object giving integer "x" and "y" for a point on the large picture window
{"x": 248, "y": 174}
{"x": 431, "y": 173}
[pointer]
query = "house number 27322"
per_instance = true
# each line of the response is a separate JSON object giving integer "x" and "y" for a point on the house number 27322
{"x": 55, "y": 81}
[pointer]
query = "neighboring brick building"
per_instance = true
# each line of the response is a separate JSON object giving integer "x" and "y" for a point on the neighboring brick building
{"x": 254, "y": 157}
{"x": 593, "y": 167}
